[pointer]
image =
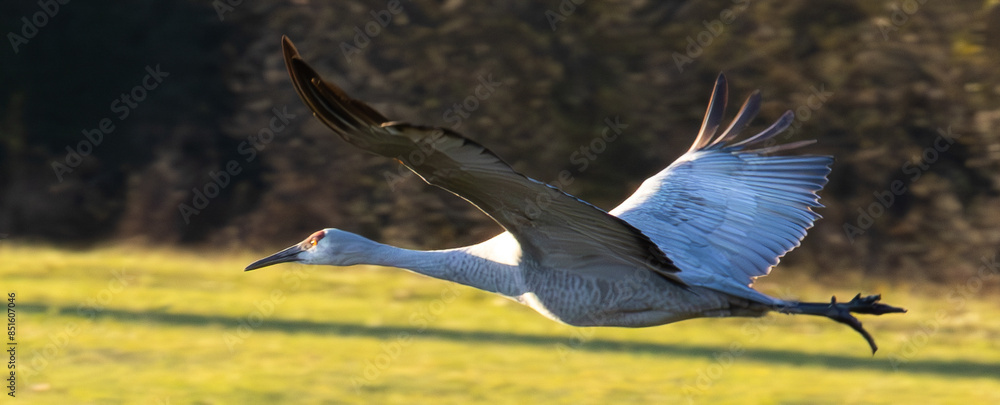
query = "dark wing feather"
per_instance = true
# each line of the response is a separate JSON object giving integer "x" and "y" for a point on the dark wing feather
{"x": 554, "y": 228}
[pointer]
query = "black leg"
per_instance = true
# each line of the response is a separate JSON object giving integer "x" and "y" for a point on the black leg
{"x": 841, "y": 312}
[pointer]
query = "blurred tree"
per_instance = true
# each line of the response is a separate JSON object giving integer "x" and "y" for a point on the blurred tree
{"x": 877, "y": 83}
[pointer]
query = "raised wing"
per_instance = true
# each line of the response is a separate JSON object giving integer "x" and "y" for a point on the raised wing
{"x": 726, "y": 212}
{"x": 554, "y": 229}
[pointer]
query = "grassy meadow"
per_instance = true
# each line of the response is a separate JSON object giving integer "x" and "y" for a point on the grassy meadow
{"x": 122, "y": 325}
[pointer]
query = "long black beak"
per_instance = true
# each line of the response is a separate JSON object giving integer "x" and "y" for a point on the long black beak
{"x": 288, "y": 255}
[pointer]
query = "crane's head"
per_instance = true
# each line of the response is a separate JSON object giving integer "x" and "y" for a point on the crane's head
{"x": 329, "y": 246}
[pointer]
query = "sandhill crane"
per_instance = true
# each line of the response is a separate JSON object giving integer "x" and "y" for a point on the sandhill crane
{"x": 687, "y": 244}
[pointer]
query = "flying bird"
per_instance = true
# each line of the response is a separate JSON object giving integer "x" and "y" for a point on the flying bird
{"x": 688, "y": 243}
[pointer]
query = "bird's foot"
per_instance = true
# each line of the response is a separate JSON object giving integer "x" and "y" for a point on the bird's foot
{"x": 841, "y": 312}
{"x": 869, "y": 305}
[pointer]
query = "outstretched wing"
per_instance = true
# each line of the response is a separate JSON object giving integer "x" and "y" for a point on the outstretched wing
{"x": 725, "y": 211}
{"x": 553, "y": 228}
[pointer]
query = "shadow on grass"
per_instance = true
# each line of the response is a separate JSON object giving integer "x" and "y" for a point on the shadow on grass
{"x": 960, "y": 368}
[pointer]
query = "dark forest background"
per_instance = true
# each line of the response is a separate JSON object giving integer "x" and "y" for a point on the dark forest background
{"x": 903, "y": 93}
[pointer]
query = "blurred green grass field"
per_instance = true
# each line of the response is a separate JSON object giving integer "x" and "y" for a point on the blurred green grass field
{"x": 123, "y": 325}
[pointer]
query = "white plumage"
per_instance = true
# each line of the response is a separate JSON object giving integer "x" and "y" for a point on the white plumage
{"x": 688, "y": 243}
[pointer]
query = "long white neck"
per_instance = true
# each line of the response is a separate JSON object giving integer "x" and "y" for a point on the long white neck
{"x": 461, "y": 265}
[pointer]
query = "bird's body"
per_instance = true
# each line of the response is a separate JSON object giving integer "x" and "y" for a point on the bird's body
{"x": 497, "y": 266}
{"x": 688, "y": 243}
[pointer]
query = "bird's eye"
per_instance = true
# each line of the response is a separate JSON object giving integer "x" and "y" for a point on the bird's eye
{"x": 314, "y": 239}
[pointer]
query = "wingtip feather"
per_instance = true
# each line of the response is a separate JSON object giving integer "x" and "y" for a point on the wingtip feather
{"x": 713, "y": 113}
{"x": 749, "y": 110}
{"x": 743, "y": 118}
